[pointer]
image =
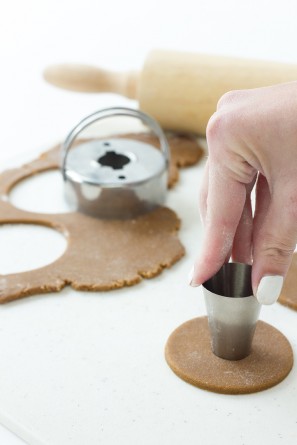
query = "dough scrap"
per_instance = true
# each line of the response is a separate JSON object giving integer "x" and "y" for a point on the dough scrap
{"x": 188, "y": 353}
{"x": 101, "y": 254}
{"x": 184, "y": 149}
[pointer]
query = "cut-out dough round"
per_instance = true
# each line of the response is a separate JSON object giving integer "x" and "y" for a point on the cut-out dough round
{"x": 288, "y": 295}
{"x": 188, "y": 353}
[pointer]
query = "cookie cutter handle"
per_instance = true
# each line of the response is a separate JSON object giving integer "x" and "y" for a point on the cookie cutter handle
{"x": 112, "y": 112}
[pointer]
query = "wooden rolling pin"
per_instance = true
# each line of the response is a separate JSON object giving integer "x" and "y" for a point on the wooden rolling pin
{"x": 180, "y": 90}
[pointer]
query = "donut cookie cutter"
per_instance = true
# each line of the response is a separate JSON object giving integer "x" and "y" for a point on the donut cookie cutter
{"x": 115, "y": 177}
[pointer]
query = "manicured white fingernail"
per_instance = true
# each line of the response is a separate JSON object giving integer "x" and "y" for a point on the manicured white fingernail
{"x": 190, "y": 278}
{"x": 269, "y": 289}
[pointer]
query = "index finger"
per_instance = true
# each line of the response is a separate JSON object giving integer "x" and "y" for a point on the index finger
{"x": 225, "y": 203}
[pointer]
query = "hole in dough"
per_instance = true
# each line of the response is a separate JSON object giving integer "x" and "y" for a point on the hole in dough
{"x": 28, "y": 246}
{"x": 41, "y": 193}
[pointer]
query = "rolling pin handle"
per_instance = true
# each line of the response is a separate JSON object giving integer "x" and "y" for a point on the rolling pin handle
{"x": 89, "y": 79}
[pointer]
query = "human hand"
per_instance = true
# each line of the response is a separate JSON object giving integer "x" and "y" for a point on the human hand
{"x": 252, "y": 140}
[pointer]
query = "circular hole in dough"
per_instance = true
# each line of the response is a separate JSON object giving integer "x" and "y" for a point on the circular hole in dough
{"x": 28, "y": 246}
{"x": 41, "y": 193}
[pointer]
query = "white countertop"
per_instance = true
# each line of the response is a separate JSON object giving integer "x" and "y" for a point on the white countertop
{"x": 80, "y": 368}
{"x": 89, "y": 367}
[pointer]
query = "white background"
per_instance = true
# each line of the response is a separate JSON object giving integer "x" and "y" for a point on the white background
{"x": 118, "y": 35}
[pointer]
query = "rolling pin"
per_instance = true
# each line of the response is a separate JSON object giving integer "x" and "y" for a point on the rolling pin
{"x": 178, "y": 89}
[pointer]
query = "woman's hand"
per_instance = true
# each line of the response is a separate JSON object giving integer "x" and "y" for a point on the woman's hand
{"x": 252, "y": 141}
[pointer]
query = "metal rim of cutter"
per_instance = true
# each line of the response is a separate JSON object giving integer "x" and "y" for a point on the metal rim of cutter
{"x": 113, "y": 112}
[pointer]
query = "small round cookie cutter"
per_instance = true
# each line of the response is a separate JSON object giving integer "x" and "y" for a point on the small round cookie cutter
{"x": 115, "y": 177}
{"x": 232, "y": 310}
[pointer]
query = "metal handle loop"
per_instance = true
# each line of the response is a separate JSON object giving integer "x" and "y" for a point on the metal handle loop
{"x": 111, "y": 112}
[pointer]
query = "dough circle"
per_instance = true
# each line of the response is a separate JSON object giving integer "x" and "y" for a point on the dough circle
{"x": 188, "y": 353}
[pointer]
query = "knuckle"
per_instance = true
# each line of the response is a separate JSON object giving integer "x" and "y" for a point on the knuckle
{"x": 230, "y": 97}
{"x": 213, "y": 126}
{"x": 279, "y": 252}
{"x": 227, "y": 98}
{"x": 221, "y": 128}
{"x": 217, "y": 126}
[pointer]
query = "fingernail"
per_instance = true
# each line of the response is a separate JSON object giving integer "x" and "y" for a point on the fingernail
{"x": 190, "y": 278}
{"x": 269, "y": 289}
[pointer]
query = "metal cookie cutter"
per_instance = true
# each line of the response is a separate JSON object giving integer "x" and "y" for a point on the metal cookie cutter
{"x": 115, "y": 177}
{"x": 232, "y": 311}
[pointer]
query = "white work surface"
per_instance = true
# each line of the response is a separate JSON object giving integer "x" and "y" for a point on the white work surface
{"x": 79, "y": 368}
{"x": 88, "y": 368}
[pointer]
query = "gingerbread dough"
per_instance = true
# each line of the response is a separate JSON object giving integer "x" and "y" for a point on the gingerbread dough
{"x": 188, "y": 353}
{"x": 101, "y": 254}
{"x": 184, "y": 150}
{"x": 288, "y": 295}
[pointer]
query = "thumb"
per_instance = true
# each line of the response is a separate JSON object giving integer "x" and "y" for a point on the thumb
{"x": 274, "y": 245}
